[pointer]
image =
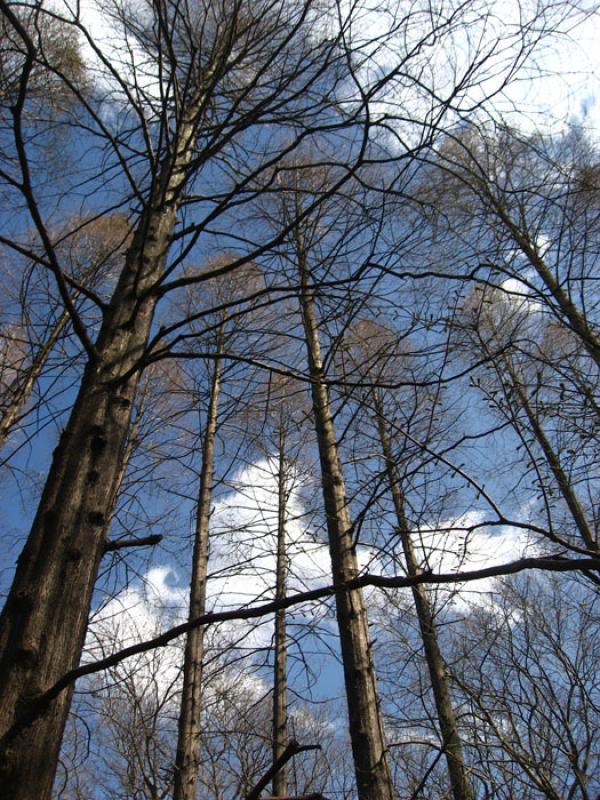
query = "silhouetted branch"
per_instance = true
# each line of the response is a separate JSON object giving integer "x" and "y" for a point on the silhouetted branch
{"x": 556, "y": 563}
{"x": 147, "y": 541}
{"x": 290, "y": 751}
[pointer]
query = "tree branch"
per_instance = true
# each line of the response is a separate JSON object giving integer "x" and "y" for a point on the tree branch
{"x": 290, "y": 751}
{"x": 38, "y": 704}
{"x": 119, "y": 544}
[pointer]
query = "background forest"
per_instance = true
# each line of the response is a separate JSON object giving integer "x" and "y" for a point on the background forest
{"x": 299, "y": 363}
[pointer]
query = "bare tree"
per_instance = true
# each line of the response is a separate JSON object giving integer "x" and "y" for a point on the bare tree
{"x": 376, "y": 358}
{"x": 280, "y": 698}
{"x": 47, "y": 46}
{"x": 193, "y": 111}
{"x": 366, "y": 727}
{"x": 527, "y": 360}
{"x": 279, "y": 435}
{"x": 253, "y": 62}
{"x": 187, "y": 761}
{"x": 526, "y": 667}
{"x": 188, "y": 751}
{"x": 92, "y": 250}
{"x": 533, "y": 193}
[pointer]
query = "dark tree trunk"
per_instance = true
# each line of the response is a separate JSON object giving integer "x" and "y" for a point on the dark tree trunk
{"x": 366, "y": 727}
{"x": 44, "y": 622}
{"x": 565, "y": 486}
{"x": 569, "y": 311}
{"x": 187, "y": 760}
{"x": 280, "y": 667}
{"x": 451, "y": 742}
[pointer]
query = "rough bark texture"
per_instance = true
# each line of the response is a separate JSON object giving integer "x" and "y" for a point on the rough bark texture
{"x": 43, "y": 624}
{"x": 366, "y": 728}
{"x": 458, "y": 771}
{"x": 280, "y": 668}
{"x": 187, "y": 760}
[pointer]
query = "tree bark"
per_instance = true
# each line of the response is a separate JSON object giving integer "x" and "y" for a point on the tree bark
{"x": 187, "y": 760}
{"x": 451, "y": 742}
{"x": 366, "y": 726}
{"x": 280, "y": 667}
{"x": 43, "y": 624}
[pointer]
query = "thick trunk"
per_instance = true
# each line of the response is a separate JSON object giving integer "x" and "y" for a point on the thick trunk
{"x": 43, "y": 624}
{"x": 22, "y": 387}
{"x": 366, "y": 728}
{"x": 451, "y": 742}
{"x": 187, "y": 759}
{"x": 280, "y": 668}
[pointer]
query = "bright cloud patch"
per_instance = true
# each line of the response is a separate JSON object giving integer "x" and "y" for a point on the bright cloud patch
{"x": 466, "y": 544}
{"x": 244, "y": 540}
{"x": 535, "y": 79}
{"x": 242, "y": 571}
{"x": 243, "y": 564}
{"x": 243, "y": 555}
{"x": 137, "y": 614}
{"x": 535, "y": 66}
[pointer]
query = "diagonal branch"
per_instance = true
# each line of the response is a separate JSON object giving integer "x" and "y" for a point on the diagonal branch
{"x": 39, "y": 703}
{"x": 290, "y": 751}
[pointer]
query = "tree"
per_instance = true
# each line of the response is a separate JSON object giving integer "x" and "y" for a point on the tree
{"x": 366, "y": 726}
{"x": 41, "y": 45}
{"x": 525, "y": 664}
{"x": 533, "y": 193}
{"x": 93, "y": 249}
{"x": 374, "y": 358}
{"x": 279, "y": 437}
{"x": 261, "y": 68}
{"x": 188, "y": 751}
{"x": 195, "y": 110}
{"x": 527, "y": 357}
{"x": 189, "y": 746}
{"x": 524, "y": 313}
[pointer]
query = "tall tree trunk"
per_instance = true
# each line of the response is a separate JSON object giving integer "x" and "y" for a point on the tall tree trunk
{"x": 187, "y": 759}
{"x": 451, "y": 742}
{"x": 366, "y": 727}
{"x": 43, "y": 624}
{"x": 521, "y": 399}
{"x": 572, "y": 315}
{"x": 565, "y": 487}
{"x": 280, "y": 667}
{"x": 20, "y": 390}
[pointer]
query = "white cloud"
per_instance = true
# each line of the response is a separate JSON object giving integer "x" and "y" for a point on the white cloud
{"x": 243, "y": 556}
{"x": 518, "y": 295}
{"x": 108, "y": 38}
{"x": 559, "y": 84}
{"x": 138, "y": 613}
{"x": 140, "y": 610}
{"x": 243, "y": 562}
{"x": 466, "y": 543}
{"x": 455, "y": 546}
{"x": 242, "y": 573}
{"x": 567, "y": 88}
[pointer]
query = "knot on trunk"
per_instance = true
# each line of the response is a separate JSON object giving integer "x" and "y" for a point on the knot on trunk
{"x": 97, "y": 441}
